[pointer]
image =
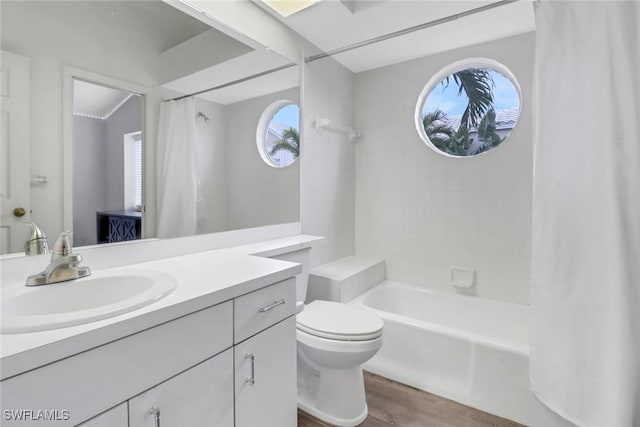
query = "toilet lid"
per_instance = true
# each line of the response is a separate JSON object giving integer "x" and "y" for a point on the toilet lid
{"x": 337, "y": 321}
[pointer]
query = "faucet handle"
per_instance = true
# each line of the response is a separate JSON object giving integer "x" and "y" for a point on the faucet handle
{"x": 62, "y": 246}
{"x": 37, "y": 242}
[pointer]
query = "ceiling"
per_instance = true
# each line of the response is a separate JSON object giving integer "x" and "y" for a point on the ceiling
{"x": 95, "y": 101}
{"x": 152, "y": 25}
{"x": 333, "y": 24}
{"x": 158, "y": 23}
{"x": 236, "y": 69}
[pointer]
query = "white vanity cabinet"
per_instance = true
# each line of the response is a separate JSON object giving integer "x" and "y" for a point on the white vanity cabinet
{"x": 114, "y": 417}
{"x": 265, "y": 357}
{"x": 190, "y": 371}
{"x": 200, "y": 396}
{"x": 95, "y": 380}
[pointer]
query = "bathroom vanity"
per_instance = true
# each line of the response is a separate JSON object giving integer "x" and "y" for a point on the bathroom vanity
{"x": 220, "y": 351}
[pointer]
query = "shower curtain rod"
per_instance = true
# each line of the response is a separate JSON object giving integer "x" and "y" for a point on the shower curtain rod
{"x": 408, "y": 30}
{"x": 355, "y": 46}
{"x": 244, "y": 79}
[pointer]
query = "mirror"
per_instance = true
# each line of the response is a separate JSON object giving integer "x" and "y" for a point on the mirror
{"x": 237, "y": 189}
{"x": 157, "y": 52}
{"x": 107, "y": 164}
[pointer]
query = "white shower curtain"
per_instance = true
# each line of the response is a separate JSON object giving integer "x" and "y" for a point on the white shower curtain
{"x": 177, "y": 178}
{"x": 585, "y": 347}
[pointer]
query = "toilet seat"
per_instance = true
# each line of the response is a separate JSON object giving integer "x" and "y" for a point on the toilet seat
{"x": 336, "y": 321}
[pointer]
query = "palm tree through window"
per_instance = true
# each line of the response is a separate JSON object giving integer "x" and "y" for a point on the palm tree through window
{"x": 470, "y": 111}
{"x": 282, "y": 142}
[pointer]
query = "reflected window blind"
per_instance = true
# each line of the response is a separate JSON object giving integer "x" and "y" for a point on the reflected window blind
{"x": 138, "y": 170}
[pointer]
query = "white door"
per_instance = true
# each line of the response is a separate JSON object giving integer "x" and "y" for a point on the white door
{"x": 14, "y": 152}
{"x": 266, "y": 389}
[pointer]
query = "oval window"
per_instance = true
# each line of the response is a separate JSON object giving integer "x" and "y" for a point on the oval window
{"x": 468, "y": 108}
{"x": 278, "y": 134}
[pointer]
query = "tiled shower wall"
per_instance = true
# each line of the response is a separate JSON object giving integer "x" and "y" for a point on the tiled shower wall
{"x": 327, "y": 176}
{"x": 426, "y": 213}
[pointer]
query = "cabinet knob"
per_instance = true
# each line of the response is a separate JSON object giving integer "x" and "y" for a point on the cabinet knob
{"x": 251, "y": 380}
{"x": 19, "y": 212}
{"x": 156, "y": 414}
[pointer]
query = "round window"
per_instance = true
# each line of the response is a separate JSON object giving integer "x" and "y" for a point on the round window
{"x": 468, "y": 108}
{"x": 278, "y": 134}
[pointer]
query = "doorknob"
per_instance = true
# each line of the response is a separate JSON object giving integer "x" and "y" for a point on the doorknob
{"x": 19, "y": 212}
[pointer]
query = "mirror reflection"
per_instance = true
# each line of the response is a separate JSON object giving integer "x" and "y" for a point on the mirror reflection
{"x": 278, "y": 137}
{"x": 107, "y": 164}
{"x": 148, "y": 52}
{"x": 235, "y": 187}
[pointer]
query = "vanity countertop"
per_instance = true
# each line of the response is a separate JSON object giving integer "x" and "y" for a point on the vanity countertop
{"x": 204, "y": 279}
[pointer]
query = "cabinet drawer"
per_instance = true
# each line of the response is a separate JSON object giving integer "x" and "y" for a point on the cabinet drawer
{"x": 256, "y": 311}
{"x": 91, "y": 382}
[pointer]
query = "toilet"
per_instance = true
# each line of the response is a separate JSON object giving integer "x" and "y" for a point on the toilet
{"x": 333, "y": 341}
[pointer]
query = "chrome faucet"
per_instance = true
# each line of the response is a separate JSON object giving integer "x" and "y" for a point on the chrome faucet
{"x": 63, "y": 266}
{"x": 37, "y": 243}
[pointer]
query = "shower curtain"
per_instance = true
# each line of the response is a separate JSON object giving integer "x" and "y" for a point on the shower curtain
{"x": 177, "y": 179}
{"x": 585, "y": 346}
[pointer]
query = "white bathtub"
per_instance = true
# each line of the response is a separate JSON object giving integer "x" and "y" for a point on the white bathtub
{"x": 471, "y": 350}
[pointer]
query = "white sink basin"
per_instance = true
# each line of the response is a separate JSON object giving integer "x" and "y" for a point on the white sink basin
{"x": 103, "y": 294}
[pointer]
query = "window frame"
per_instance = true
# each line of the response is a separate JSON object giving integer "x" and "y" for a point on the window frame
{"x": 263, "y": 128}
{"x": 448, "y": 70}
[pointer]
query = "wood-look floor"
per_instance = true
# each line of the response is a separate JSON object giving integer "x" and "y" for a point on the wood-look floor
{"x": 394, "y": 404}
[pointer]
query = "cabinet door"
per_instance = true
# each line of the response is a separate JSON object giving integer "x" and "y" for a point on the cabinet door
{"x": 266, "y": 378}
{"x": 199, "y": 397}
{"x": 114, "y": 417}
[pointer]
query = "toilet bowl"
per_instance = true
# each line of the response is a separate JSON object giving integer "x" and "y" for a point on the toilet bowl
{"x": 334, "y": 340}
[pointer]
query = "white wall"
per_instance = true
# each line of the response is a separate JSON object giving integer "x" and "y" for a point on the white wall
{"x": 262, "y": 194}
{"x": 212, "y": 168}
{"x": 425, "y": 212}
{"x": 89, "y": 154}
{"x": 327, "y": 182}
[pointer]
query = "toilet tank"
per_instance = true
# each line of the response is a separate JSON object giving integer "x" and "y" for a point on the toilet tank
{"x": 300, "y": 256}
